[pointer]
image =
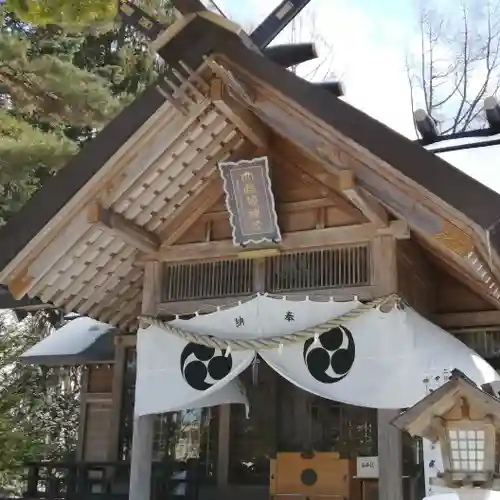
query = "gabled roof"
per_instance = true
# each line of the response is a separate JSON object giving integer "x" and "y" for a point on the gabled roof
{"x": 321, "y": 124}
{"x": 470, "y": 197}
{"x": 58, "y": 190}
{"x": 417, "y": 419}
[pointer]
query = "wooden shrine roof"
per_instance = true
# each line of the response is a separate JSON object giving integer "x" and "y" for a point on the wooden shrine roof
{"x": 161, "y": 152}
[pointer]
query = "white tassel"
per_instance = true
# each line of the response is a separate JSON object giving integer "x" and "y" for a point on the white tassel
{"x": 316, "y": 338}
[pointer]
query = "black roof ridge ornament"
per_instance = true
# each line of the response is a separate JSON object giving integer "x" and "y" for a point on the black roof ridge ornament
{"x": 286, "y": 55}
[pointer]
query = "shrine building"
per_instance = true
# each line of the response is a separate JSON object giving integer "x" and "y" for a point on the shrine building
{"x": 265, "y": 276}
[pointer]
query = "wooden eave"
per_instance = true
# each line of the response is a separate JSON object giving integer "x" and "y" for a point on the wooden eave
{"x": 437, "y": 404}
{"x": 151, "y": 173}
{"x": 83, "y": 259}
{"x": 452, "y": 212}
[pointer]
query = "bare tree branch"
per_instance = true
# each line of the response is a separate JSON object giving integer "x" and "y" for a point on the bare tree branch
{"x": 458, "y": 63}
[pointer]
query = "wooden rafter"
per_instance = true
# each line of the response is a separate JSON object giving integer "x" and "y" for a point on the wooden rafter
{"x": 372, "y": 210}
{"x": 302, "y": 240}
{"x": 243, "y": 119}
{"x": 459, "y": 268}
{"x": 125, "y": 229}
{"x": 191, "y": 210}
{"x": 200, "y": 201}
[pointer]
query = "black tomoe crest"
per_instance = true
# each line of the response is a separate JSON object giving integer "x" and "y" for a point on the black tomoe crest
{"x": 203, "y": 366}
{"x": 331, "y": 358}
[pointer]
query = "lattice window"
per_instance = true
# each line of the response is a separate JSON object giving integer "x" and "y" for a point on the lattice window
{"x": 485, "y": 342}
{"x": 332, "y": 268}
{"x": 202, "y": 280}
{"x": 322, "y": 269}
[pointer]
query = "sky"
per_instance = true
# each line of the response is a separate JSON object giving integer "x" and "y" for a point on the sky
{"x": 364, "y": 42}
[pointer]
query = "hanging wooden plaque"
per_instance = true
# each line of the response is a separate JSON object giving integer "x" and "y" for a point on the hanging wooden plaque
{"x": 250, "y": 201}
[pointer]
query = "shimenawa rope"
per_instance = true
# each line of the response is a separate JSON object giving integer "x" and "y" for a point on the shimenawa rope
{"x": 270, "y": 342}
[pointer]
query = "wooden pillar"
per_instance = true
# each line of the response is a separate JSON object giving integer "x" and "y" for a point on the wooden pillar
{"x": 302, "y": 418}
{"x": 82, "y": 424}
{"x": 223, "y": 443}
{"x": 390, "y": 446}
{"x": 390, "y": 457}
{"x": 117, "y": 401}
{"x": 142, "y": 437}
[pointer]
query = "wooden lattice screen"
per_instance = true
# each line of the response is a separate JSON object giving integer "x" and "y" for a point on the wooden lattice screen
{"x": 323, "y": 269}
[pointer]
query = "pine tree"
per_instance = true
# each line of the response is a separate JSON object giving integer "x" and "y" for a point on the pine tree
{"x": 76, "y": 15}
{"x": 38, "y": 407}
{"x": 56, "y": 92}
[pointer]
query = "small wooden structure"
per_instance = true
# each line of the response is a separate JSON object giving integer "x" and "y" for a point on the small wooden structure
{"x": 464, "y": 419}
{"x": 137, "y": 223}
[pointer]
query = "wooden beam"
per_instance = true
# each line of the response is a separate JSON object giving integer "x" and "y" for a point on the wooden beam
{"x": 325, "y": 186}
{"x": 467, "y": 319}
{"x": 125, "y": 229}
{"x": 242, "y": 118}
{"x": 372, "y": 210}
{"x": 310, "y": 172}
{"x": 287, "y": 207}
{"x": 20, "y": 284}
{"x": 199, "y": 202}
{"x": 302, "y": 240}
{"x": 459, "y": 268}
{"x": 191, "y": 210}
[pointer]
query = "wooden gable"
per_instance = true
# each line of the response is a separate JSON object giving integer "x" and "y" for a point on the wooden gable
{"x": 338, "y": 176}
{"x": 302, "y": 202}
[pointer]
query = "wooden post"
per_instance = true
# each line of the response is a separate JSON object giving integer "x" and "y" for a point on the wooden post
{"x": 82, "y": 424}
{"x": 117, "y": 401}
{"x": 223, "y": 446}
{"x": 390, "y": 457}
{"x": 141, "y": 458}
{"x": 384, "y": 265}
{"x": 142, "y": 437}
{"x": 390, "y": 446}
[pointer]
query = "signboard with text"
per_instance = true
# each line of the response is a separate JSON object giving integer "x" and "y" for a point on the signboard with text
{"x": 367, "y": 467}
{"x": 250, "y": 201}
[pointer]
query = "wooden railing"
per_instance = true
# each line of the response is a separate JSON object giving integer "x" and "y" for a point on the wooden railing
{"x": 107, "y": 481}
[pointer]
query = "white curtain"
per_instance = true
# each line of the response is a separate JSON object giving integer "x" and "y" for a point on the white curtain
{"x": 173, "y": 374}
{"x": 376, "y": 359}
